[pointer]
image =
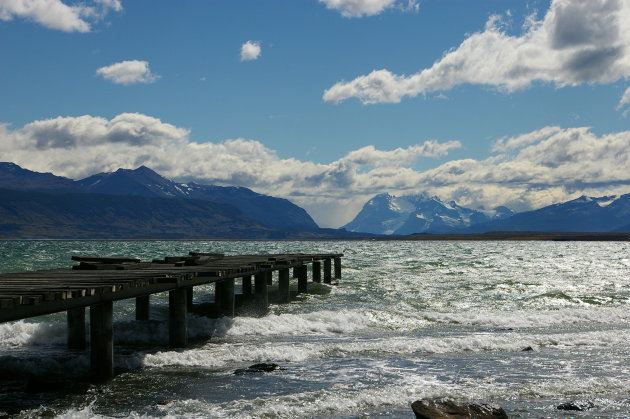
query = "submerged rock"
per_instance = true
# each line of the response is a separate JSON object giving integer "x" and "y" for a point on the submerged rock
{"x": 529, "y": 348}
{"x": 257, "y": 368}
{"x": 436, "y": 409}
{"x": 580, "y": 405}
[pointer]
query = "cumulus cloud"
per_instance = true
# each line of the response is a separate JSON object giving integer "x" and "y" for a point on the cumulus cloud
{"x": 55, "y": 14}
{"x": 625, "y": 99}
{"x": 526, "y": 171}
{"x": 576, "y": 42}
{"x": 128, "y": 72}
{"x": 250, "y": 50}
{"x": 361, "y": 8}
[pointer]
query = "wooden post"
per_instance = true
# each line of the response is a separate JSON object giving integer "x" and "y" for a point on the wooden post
{"x": 142, "y": 307}
{"x": 247, "y": 285}
{"x": 102, "y": 341}
{"x": 327, "y": 273}
{"x": 224, "y": 297}
{"x": 260, "y": 288}
{"x": 189, "y": 298}
{"x": 269, "y": 277}
{"x": 177, "y": 330}
{"x": 76, "y": 328}
{"x": 303, "y": 279}
{"x": 317, "y": 271}
{"x": 283, "y": 285}
{"x": 337, "y": 261}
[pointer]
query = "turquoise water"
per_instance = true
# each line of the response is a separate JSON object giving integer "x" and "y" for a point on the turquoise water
{"x": 408, "y": 320}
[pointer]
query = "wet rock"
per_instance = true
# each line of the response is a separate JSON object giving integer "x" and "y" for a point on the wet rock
{"x": 580, "y": 405}
{"x": 529, "y": 348}
{"x": 437, "y": 409}
{"x": 257, "y": 368}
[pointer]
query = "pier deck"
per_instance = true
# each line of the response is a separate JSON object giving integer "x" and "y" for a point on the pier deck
{"x": 97, "y": 282}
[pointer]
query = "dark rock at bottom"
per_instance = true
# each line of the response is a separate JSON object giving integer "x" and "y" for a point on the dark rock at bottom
{"x": 436, "y": 409}
{"x": 257, "y": 368}
{"x": 579, "y": 405}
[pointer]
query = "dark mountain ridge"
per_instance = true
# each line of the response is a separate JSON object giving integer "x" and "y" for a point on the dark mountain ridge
{"x": 277, "y": 213}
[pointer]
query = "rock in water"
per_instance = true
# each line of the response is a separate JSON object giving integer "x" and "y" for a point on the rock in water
{"x": 579, "y": 405}
{"x": 257, "y": 368}
{"x": 437, "y": 409}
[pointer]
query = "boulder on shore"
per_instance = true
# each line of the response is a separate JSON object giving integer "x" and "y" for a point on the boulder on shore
{"x": 257, "y": 368}
{"x": 437, "y": 409}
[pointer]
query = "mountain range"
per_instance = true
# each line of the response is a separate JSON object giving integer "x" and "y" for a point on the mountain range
{"x": 141, "y": 203}
{"x": 417, "y": 214}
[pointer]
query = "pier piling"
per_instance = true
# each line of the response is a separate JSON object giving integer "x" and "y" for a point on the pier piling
{"x": 317, "y": 271}
{"x": 246, "y": 284}
{"x": 76, "y": 328}
{"x": 260, "y": 288}
{"x": 102, "y": 340}
{"x": 142, "y": 307}
{"x": 224, "y": 297}
{"x": 327, "y": 273}
{"x": 337, "y": 261}
{"x": 283, "y": 285}
{"x": 302, "y": 279}
{"x": 177, "y": 310}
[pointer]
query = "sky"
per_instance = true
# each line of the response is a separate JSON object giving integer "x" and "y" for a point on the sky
{"x": 522, "y": 103}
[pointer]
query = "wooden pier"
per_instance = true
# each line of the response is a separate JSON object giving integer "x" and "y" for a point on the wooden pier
{"x": 97, "y": 282}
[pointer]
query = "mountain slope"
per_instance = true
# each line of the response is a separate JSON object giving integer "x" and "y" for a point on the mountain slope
{"x": 584, "y": 214}
{"x": 29, "y": 214}
{"x": 273, "y": 212}
{"x": 388, "y": 214}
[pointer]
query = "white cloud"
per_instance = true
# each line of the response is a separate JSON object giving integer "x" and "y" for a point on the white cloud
{"x": 577, "y": 41}
{"x": 250, "y": 50}
{"x": 625, "y": 99}
{"x": 128, "y": 72}
{"x": 527, "y": 171}
{"x": 55, "y": 14}
{"x": 361, "y": 8}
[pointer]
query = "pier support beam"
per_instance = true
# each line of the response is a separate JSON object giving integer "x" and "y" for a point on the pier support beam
{"x": 327, "y": 273}
{"x": 247, "y": 285}
{"x": 283, "y": 285}
{"x": 262, "y": 297}
{"x": 302, "y": 278}
{"x": 189, "y": 298}
{"x": 76, "y": 328}
{"x": 177, "y": 309}
{"x": 317, "y": 271}
{"x": 337, "y": 261}
{"x": 269, "y": 277}
{"x": 102, "y": 341}
{"x": 224, "y": 297}
{"x": 142, "y": 307}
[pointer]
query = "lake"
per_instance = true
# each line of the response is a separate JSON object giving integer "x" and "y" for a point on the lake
{"x": 408, "y": 320}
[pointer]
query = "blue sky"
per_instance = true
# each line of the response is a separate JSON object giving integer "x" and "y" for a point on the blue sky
{"x": 517, "y": 103}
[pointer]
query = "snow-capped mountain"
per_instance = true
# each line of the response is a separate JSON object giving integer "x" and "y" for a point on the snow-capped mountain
{"x": 389, "y": 214}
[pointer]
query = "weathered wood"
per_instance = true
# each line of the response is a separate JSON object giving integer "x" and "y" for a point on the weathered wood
{"x": 76, "y": 328}
{"x": 302, "y": 279}
{"x": 101, "y": 341}
{"x": 261, "y": 295}
{"x": 337, "y": 263}
{"x": 224, "y": 297}
{"x": 269, "y": 275}
{"x": 189, "y": 298}
{"x": 247, "y": 285}
{"x": 327, "y": 271}
{"x": 283, "y": 285}
{"x": 142, "y": 307}
{"x": 317, "y": 271}
{"x": 177, "y": 328}
{"x": 103, "y": 259}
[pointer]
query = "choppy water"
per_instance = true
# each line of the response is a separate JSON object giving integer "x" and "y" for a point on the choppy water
{"x": 409, "y": 320}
